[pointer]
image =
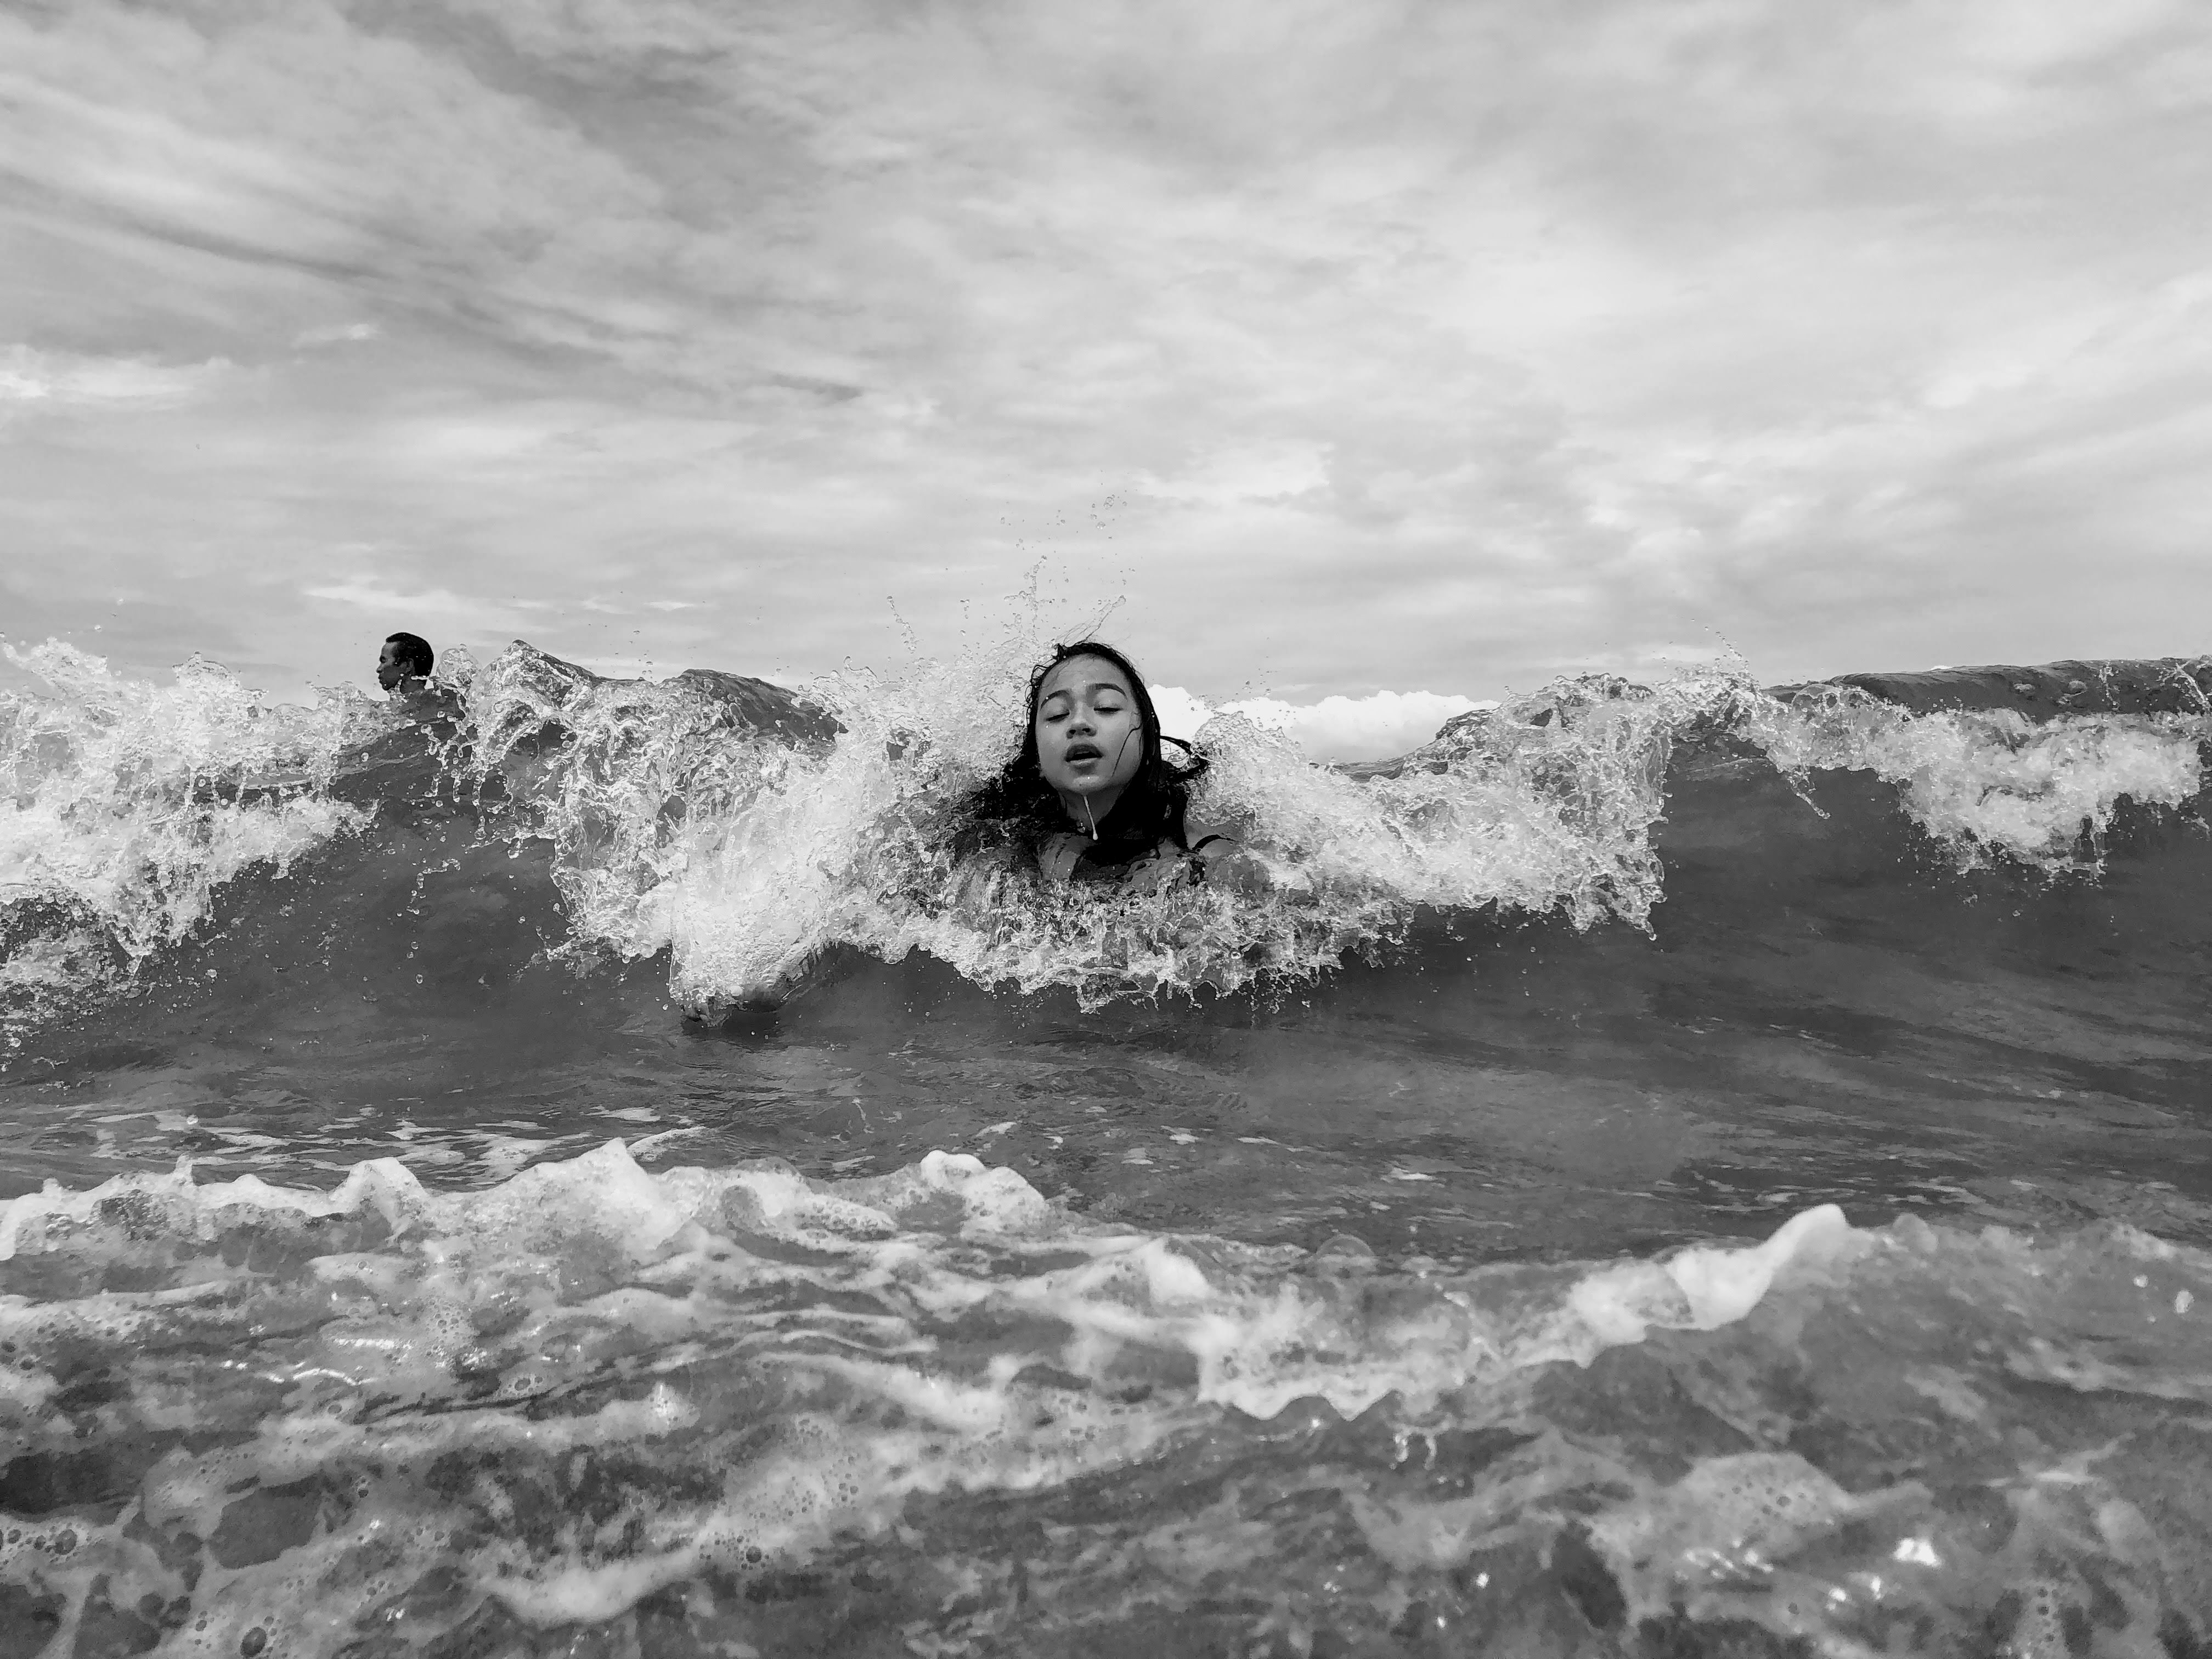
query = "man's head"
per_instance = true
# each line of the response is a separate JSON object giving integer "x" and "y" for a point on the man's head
{"x": 405, "y": 657}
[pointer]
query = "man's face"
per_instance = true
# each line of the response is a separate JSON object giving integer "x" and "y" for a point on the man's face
{"x": 389, "y": 670}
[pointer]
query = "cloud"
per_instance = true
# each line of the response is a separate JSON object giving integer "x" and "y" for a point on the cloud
{"x": 1454, "y": 344}
{"x": 1181, "y": 714}
{"x": 365, "y": 594}
{"x": 336, "y": 334}
{"x": 1377, "y": 726}
{"x": 60, "y": 379}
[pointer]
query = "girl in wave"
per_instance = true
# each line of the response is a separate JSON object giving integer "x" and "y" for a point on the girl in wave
{"x": 1091, "y": 795}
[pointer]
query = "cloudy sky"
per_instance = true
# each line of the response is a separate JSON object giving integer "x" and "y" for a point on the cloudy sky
{"x": 1442, "y": 344}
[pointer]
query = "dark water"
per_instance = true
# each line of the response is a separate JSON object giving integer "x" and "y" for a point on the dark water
{"x": 1434, "y": 1257}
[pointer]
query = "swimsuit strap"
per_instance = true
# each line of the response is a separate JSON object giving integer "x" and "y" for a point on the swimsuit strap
{"x": 1073, "y": 856}
{"x": 1058, "y": 855}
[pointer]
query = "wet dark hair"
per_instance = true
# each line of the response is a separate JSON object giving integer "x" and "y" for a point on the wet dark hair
{"x": 414, "y": 653}
{"x": 1020, "y": 804}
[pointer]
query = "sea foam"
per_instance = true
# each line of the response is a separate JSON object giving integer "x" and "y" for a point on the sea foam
{"x": 747, "y": 857}
{"x": 559, "y": 1401}
{"x": 748, "y": 834}
{"x": 125, "y": 806}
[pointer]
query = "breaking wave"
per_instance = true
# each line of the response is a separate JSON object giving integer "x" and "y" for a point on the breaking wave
{"x": 737, "y": 1407}
{"x": 1693, "y": 1168}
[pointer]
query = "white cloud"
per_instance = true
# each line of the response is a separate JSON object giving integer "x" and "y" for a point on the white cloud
{"x": 1244, "y": 474}
{"x": 62, "y": 379}
{"x": 1377, "y": 726}
{"x": 1181, "y": 714}
{"x": 1459, "y": 345}
{"x": 366, "y": 593}
{"x": 336, "y": 334}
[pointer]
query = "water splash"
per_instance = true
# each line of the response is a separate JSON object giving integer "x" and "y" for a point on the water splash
{"x": 687, "y": 824}
{"x": 124, "y": 807}
{"x": 747, "y": 831}
{"x": 593, "y": 1395}
{"x": 1992, "y": 784}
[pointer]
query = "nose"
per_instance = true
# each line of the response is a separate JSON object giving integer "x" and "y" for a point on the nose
{"x": 1080, "y": 721}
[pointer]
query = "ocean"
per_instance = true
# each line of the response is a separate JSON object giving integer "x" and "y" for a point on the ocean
{"x": 572, "y": 1166}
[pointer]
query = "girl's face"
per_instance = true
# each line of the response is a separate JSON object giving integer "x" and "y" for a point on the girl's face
{"x": 1090, "y": 737}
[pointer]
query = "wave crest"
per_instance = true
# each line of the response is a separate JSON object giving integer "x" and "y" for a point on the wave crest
{"x": 748, "y": 831}
{"x": 747, "y": 856}
{"x": 124, "y": 807}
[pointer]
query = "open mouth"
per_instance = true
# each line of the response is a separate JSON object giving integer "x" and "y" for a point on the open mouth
{"x": 1082, "y": 751}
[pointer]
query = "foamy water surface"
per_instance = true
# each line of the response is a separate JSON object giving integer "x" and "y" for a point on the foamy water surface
{"x": 580, "y": 1168}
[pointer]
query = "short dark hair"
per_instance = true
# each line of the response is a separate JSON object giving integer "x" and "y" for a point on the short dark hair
{"x": 1018, "y": 801}
{"x": 414, "y": 653}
